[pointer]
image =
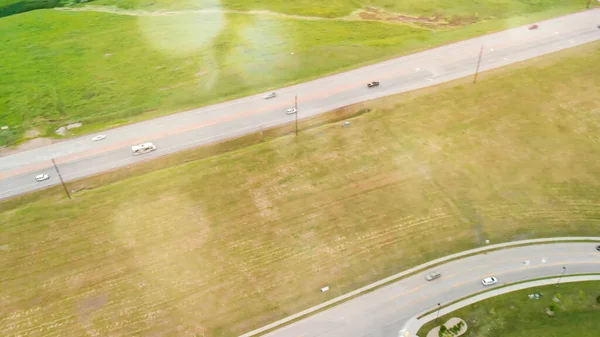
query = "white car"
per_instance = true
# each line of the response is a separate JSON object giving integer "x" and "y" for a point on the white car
{"x": 98, "y": 137}
{"x": 143, "y": 148}
{"x": 271, "y": 95}
{"x": 433, "y": 275}
{"x": 291, "y": 111}
{"x": 488, "y": 281}
{"x": 42, "y": 177}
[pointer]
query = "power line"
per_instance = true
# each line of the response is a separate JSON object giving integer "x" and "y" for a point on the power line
{"x": 296, "y": 113}
{"x": 478, "y": 64}
{"x": 61, "y": 179}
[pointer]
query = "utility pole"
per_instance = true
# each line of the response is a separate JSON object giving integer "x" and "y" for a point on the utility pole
{"x": 561, "y": 275}
{"x": 478, "y": 64}
{"x": 296, "y": 113}
{"x": 438, "y": 313}
{"x": 61, "y": 179}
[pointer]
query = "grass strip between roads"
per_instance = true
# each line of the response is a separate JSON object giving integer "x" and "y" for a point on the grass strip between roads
{"x": 496, "y": 288}
{"x": 226, "y": 244}
{"x": 576, "y": 307}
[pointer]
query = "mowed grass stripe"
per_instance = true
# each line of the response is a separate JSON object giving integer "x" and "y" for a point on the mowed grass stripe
{"x": 226, "y": 244}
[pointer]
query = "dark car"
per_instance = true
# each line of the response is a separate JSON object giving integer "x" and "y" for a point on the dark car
{"x": 598, "y": 248}
{"x": 373, "y": 84}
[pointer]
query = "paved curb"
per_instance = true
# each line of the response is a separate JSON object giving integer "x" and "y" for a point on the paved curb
{"x": 407, "y": 272}
{"x": 414, "y": 324}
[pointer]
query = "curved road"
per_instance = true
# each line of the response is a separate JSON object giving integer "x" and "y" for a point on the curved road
{"x": 384, "y": 312}
{"x": 82, "y": 157}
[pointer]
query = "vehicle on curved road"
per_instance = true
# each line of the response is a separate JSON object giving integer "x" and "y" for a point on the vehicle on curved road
{"x": 373, "y": 84}
{"x": 433, "y": 275}
{"x": 291, "y": 111}
{"x": 386, "y": 310}
{"x": 99, "y": 137}
{"x": 488, "y": 281}
{"x": 271, "y": 95}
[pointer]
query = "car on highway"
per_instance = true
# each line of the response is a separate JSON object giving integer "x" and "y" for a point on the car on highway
{"x": 598, "y": 248}
{"x": 98, "y": 137}
{"x": 291, "y": 111}
{"x": 433, "y": 275}
{"x": 142, "y": 148}
{"x": 42, "y": 177}
{"x": 271, "y": 95}
{"x": 373, "y": 84}
{"x": 488, "y": 281}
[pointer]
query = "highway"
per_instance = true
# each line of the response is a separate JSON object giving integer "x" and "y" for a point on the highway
{"x": 80, "y": 157}
{"x": 384, "y": 312}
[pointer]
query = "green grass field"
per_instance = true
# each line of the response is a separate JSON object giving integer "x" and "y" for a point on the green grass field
{"x": 339, "y": 8}
{"x": 105, "y": 70}
{"x": 220, "y": 246}
{"x": 515, "y": 315}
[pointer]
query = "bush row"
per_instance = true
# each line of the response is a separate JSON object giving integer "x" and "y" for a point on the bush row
{"x": 30, "y": 5}
{"x": 443, "y": 332}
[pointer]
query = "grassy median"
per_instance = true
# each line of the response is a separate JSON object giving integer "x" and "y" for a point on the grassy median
{"x": 220, "y": 246}
{"x": 576, "y": 308}
{"x": 109, "y": 69}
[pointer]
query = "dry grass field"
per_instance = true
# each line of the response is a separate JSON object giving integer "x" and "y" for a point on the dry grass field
{"x": 220, "y": 246}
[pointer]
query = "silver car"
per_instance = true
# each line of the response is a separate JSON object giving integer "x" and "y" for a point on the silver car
{"x": 433, "y": 275}
{"x": 271, "y": 95}
{"x": 291, "y": 111}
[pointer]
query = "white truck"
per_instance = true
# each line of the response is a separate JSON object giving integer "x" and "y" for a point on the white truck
{"x": 142, "y": 148}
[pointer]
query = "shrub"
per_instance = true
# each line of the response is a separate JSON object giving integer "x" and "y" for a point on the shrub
{"x": 8, "y": 137}
{"x": 26, "y": 6}
{"x": 30, "y": 5}
{"x": 442, "y": 331}
{"x": 598, "y": 299}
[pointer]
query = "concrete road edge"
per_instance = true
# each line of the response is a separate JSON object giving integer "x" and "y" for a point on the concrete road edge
{"x": 397, "y": 277}
{"x": 412, "y": 326}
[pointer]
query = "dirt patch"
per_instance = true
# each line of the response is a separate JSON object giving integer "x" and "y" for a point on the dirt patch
{"x": 87, "y": 306}
{"x": 32, "y": 133}
{"x": 463, "y": 20}
{"x": 375, "y": 14}
{"x": 29, "y": 145}
{"x": 366, "y": 14}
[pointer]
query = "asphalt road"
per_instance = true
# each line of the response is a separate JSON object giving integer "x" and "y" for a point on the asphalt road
{"x": 383, "y": 312}
{"x": 82, "y": 157}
